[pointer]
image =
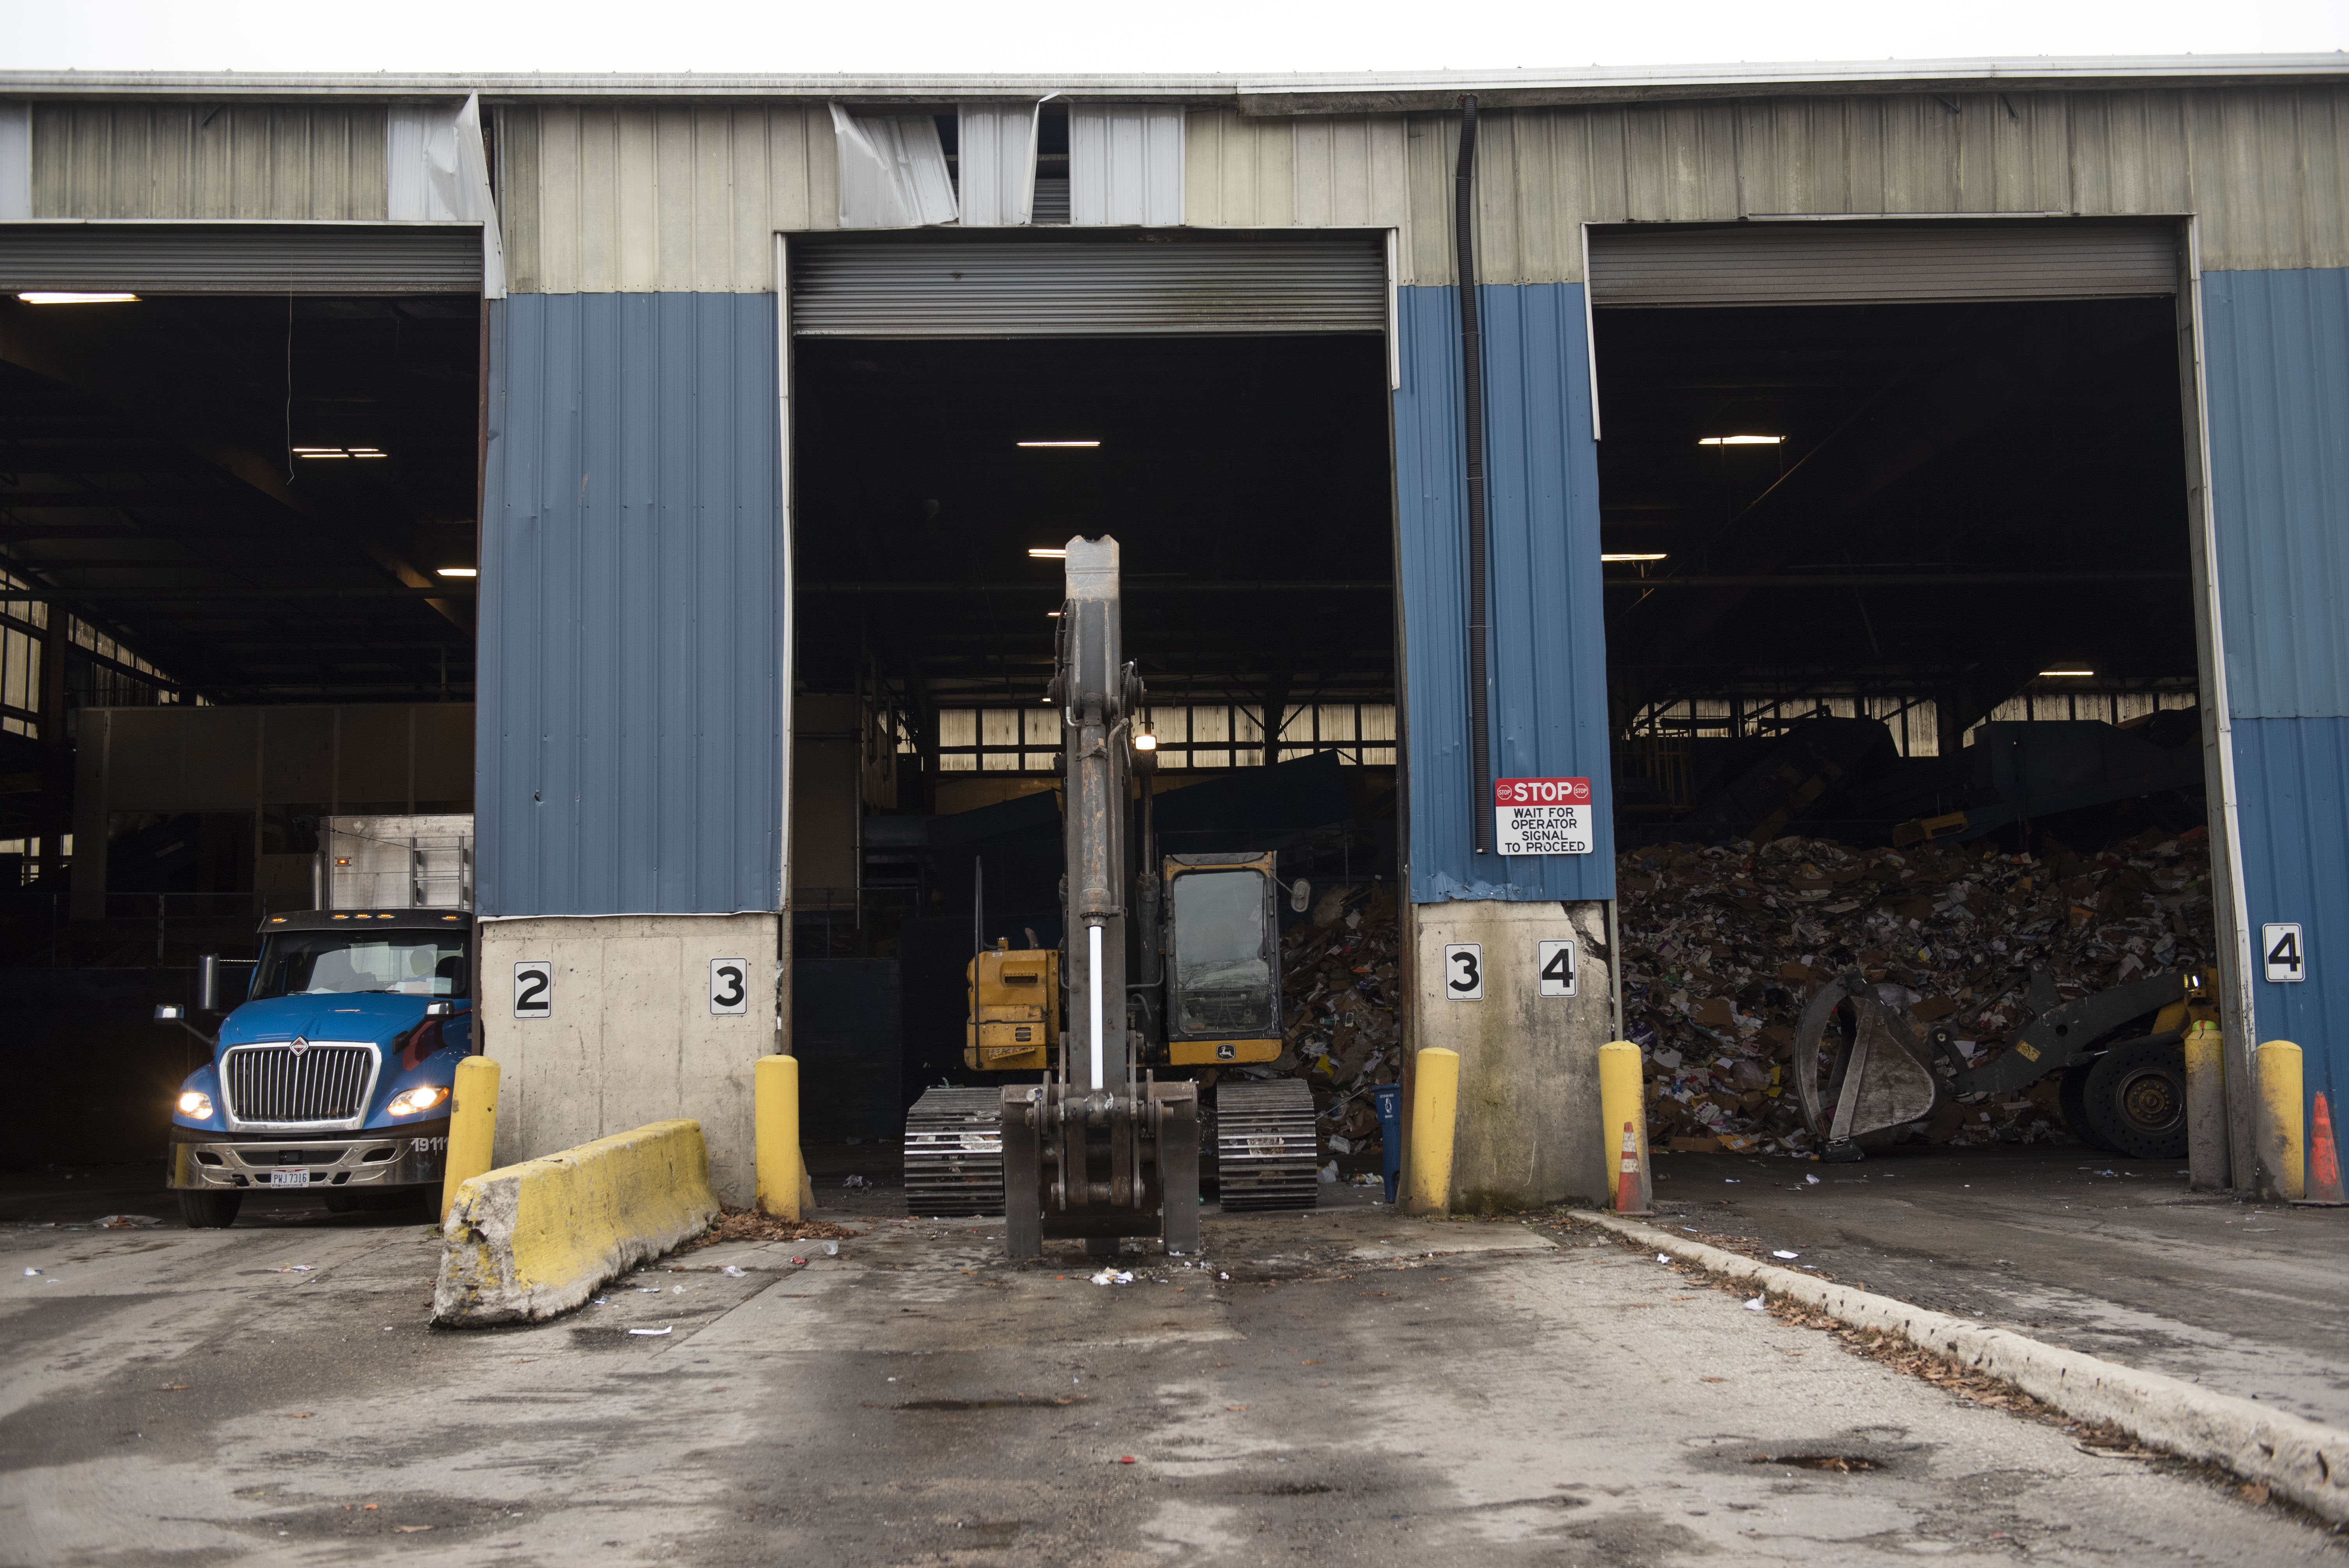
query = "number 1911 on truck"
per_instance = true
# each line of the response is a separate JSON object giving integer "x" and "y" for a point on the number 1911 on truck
{"x": 333, "y": 1073}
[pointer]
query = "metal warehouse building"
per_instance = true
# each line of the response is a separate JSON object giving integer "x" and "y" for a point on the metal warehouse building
{"x": 723, "y": 379}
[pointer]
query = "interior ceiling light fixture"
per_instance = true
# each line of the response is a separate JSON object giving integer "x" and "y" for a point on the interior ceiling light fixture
{"x": 60, "y": 296}
{"x": 316, "y": 452}
{"x": 2067, "y": 672}
{"x": 460, "y": 571}
{"x": 1740, "y": 440}
{"x": 1057, "y": 443}
{"x": 1040, "y": 555}
{"x": 1658, "y": 556}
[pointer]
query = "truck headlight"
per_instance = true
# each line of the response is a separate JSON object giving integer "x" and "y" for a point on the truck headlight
{"x": 195, "y": 1103}
{"x": 408, "y": 1102}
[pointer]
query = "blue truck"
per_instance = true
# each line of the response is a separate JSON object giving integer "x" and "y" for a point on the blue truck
{"x": 333, "y": 1074}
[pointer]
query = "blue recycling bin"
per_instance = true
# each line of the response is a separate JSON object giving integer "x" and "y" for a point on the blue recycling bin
{"x": 1388, "y": 1097}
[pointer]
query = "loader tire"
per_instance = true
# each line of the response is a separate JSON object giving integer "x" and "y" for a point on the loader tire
{"x": 2135, "y": 1098}
{"x": 210, "y": 1211}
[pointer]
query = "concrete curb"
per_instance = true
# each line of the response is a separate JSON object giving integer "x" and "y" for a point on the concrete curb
{"x": 2304, "y": 1460}
{"x": 526, "y": 1242}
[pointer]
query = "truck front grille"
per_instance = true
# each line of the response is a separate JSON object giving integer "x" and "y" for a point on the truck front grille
{"x": 323, "y": 1083}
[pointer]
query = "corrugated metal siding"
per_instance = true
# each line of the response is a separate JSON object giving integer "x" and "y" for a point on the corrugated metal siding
{"x": 1548, "y": 664}
{"x": 1125, "y": 164}
{"x": 2268, "y": 169}
{"x": 2291, "y": 776}
{"x": 2277, "y": 367}
{"x": 621, "y": 199}
{"x": 942, "y": 286}
{"x": 631, "y": 604}
{"x": 2276, "y": 373}
{"x": 289, "y": 161}
{"x": 1867, "y": 264}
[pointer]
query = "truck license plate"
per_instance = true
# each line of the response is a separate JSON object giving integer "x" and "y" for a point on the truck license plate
{"x": 289, "y": 1178}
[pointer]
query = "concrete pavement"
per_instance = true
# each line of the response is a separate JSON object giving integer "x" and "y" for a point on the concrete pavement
{"x": 1363, "y": 1388}
{"x": 2074, "y": 1246}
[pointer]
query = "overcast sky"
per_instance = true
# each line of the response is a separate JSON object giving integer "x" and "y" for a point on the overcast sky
{"x": 1034, "y": 35}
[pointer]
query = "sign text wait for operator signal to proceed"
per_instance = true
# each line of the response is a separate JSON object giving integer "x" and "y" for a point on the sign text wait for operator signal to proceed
{"x": 1542, "y": 816}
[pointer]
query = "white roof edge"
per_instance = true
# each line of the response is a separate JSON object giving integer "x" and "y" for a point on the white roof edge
{"x": 1290, "y": 93}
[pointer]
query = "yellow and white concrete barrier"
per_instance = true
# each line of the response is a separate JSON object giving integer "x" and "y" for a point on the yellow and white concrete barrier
{"x": 526, "y": 1242}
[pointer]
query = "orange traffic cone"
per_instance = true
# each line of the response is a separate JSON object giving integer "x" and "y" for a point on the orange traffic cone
{"x": 1630, "y": 1180}
{"x": 2324, "y": 1161}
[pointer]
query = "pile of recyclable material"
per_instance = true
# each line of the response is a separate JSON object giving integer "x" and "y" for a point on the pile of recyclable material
{"x": 1342, "y": 1032}
{"x": 1724, "y": 944}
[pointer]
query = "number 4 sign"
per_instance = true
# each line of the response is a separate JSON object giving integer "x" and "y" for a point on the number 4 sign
{"x": 2287, "y": 959}
{"x": 1556, "y": 967}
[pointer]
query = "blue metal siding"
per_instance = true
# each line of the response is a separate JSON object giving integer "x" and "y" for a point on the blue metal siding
{"x": 2276, "y": 367}
{"x": 2291, "y": 778}
{"x": 1548, "y": 655}
{"x": 629, "y": 739}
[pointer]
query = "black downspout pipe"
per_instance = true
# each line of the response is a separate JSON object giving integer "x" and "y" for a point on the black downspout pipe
{"x": 1472, "y": 404}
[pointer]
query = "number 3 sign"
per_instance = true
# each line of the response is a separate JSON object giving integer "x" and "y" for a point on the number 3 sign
{"x": 729, "y": 985}
{"x": 1463, "y": 971}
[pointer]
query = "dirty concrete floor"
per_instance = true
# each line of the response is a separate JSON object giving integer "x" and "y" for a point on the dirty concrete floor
{"x": 2083, "y": 1249}
{"x": 1363, "y": 1389}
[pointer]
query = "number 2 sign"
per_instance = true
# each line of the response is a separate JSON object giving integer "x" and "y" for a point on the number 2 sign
{"x": 533, "y": 989}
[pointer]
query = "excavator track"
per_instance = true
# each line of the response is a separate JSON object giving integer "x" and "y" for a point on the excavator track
{"x": 954, "y": 1153}
{"x": 1265, "y": 1155}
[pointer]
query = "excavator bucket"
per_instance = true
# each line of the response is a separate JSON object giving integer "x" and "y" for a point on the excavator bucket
{"x": 1879, "y": 1076}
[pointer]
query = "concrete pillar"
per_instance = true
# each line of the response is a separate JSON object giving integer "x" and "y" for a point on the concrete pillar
{"x": 1529, "y": 1125}
{"x": 631, "y": 1035}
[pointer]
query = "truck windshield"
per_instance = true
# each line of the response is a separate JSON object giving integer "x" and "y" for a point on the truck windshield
{"x": 1223, "y": 963}
{"x": 331, "y": 963}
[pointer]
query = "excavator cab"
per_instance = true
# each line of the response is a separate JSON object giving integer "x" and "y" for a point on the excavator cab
{"x": 1222, "y": 942}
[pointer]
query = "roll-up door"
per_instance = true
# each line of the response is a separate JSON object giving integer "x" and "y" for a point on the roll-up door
{"x": 1839, "y": 262}
{"x": 242, "y": 258}
{"x": 1024, "y": 287}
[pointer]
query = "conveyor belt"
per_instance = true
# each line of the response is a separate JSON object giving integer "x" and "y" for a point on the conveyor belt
{"x": 1265, "y": 1147}
{"x": 954, "y": 1153}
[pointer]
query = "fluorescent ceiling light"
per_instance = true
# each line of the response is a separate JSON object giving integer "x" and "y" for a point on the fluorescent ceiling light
{"x": 460, "y": 572}
{"x": 1052, "y": 614}
{"x": 1058, "y": 443}
{"x": 1049, "y": 554}
{"x": 57, "y": 296}
{"x": 316, "y": 452}
{"x": 1658, "y": 556}
{"x": 2067, "y": 672}
{"x": 1740, "y": 440}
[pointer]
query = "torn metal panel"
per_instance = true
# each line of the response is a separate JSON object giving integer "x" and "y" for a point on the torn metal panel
{"x": 435, "y": 171}
{"x": 1125, "y": 164}
{"x": 893, "y": 171}
{"x": 996, "y": 154}
{"x": 15, "y": 160}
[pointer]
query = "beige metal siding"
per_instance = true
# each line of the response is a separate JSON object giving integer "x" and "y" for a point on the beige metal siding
{"x": 638, "y": 198}
{"x": 630, "y": 200}
{"x": 288, "y": 160}
{"x": 2267, "y": 169}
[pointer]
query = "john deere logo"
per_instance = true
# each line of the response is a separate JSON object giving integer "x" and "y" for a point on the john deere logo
{"x": 298, "y": 1046}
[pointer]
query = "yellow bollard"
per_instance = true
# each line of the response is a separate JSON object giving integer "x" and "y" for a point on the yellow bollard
{"x": 473, "y": 1127}
{"x": 2283, "y": 1144}
{"x": 2206, "y": 1107}
{"x": 775, "y": 1114}
{"x": 1623, "y": 1110}
{"x": 1434, "y": 1105}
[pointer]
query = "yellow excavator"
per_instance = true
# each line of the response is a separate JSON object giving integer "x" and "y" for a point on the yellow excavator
{"x": 1103, "y": 1140}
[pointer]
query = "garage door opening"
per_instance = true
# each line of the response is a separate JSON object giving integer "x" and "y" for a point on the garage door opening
{"x": 1247, "y": 480}
{"x": 237, "y": 540}
{"x": 1903, "y": 676}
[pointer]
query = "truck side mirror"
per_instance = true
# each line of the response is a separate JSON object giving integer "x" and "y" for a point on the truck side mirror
{"x": 440, "y": 1009}
{"x": 1301, "y": 896}
{"x": 208, "y": 982}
